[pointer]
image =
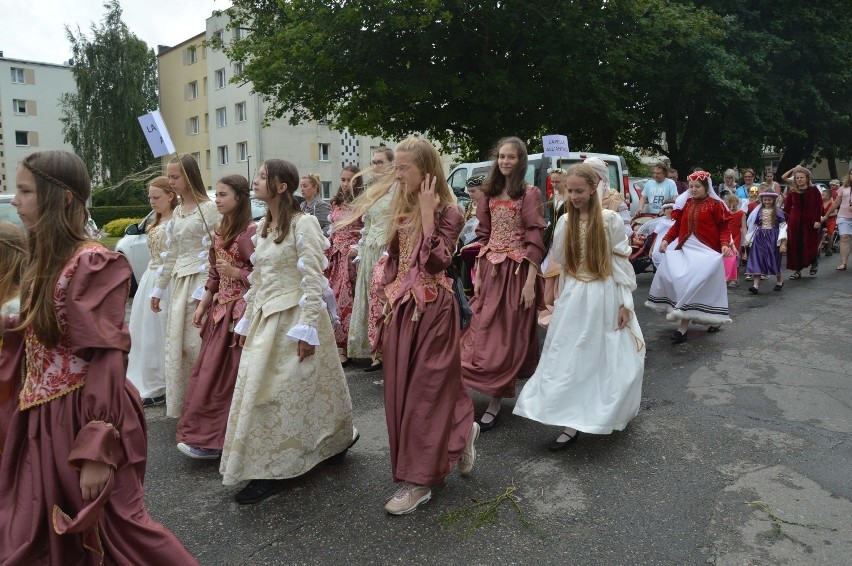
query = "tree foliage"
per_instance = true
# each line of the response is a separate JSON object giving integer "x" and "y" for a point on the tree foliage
{"x": 706, "y": 82}
{"x": 116, "y": 78}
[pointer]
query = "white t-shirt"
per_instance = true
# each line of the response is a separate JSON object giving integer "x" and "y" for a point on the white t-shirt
{"x": 656, "y": 193}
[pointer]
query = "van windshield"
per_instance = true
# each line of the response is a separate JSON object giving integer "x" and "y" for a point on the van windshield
{"x": 613, "y": 170}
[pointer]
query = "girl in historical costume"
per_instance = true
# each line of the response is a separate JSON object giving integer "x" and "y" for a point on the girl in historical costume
{"x": 189, "y": 236}
{"x": 803, "y": 209}
{"x": 589, "y": 378}
{"x": 314, "y": 204}
{"x": 75, "y": 449}
{"x": 341, "y": 271}
{"x": 690, "y": 282}
{"x": 843, "y": 205}
{"x": 737, "y": 226}
{"x": 550, "y": 269}
{"x": 291, "y": 408}
{"x": 429, "y": 411}
{"x": 500, "y": 345}
{"x": 764, "y": 228}
{"x": 146, "y": 362}
{"x": 201, "y": 429}
{"x": 372, "y": 206}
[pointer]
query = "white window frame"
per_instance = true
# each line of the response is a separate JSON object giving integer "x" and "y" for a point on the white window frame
{"x": 192, "y": 54}
{"x": 242, "y": 151}
{"x": 197, "y": 157}
{"x": 240, "y": 112}
{"x": 17, "y": 103}
{"x": 324, "y": 153}
{"x": 16, "y": 73}
{"x": 193, "y": 90}
{"x": 221, "y": 80}
{"x": 194, "y": 125}
{"x": 222, "y": 154}
{"x": 240, "y": 33}
{"x": 221, "y": 117}
{"x": 238, "y": 68}
{"x": 326, "y": 189}
{"x": 27, "y": 134}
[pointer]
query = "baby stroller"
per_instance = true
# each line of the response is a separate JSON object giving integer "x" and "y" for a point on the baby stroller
{"x": 642, "y": 243}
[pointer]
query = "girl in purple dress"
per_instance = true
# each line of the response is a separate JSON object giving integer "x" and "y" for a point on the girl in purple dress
{"x": 768, "y": 242}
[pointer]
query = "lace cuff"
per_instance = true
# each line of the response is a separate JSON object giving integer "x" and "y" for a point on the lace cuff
{"x": 156, "y": 293}
{"x": 242, "y": 327}
{"x": 305, "y": 333}
{"x": 198, "y": 294}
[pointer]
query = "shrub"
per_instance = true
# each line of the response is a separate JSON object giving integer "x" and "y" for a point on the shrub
{"x": 105, "y": 214}
{"x": 118, "y": 226}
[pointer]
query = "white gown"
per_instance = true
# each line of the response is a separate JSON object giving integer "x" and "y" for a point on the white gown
{"x": 590, "y": 374}
{"x": 146, "y": 363}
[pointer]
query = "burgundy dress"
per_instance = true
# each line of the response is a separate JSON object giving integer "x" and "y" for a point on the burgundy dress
{"x": 802, "y": 211}
{"x": 341, "y": 272}
{"x": 75, "y": 405}
{"x": 500, "y": 345}
{"x": 211, "y": 384}
{"x": 429, "y": 411}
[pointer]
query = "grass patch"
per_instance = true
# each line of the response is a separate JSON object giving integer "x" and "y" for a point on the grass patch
{"x": 110, "y": 241}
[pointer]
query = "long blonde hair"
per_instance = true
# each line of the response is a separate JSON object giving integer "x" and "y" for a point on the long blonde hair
{"x": 383, "y": 181}
{"x": 56, "y": 235}
{"x": 597, "y": 262}
{"x": 405, "y": 206}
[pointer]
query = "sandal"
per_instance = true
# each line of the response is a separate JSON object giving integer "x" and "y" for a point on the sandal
{"x": 796, "y": 275}
{"x": 841, "y": 267}
{"x": 814, "y": 269}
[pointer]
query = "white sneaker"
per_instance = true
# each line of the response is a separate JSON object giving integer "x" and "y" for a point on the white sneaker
{"x": 408, "y": 498}
{"x": 199, "y": 453}
{"x": 468, "y": 457}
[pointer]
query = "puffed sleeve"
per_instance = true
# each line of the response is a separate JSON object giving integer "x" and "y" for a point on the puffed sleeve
{"x": 483, "y": 214}
{"x": 212, "y": 284}
{"x": 245, "y": 245}
{"x": 97, "y": 295}
{"x": 310, "y": 247}
{"x": 674, "y": 231}
{"x": 254, "y": 281}
{"x": 622, "y": 270}
{"x": 534, "y": 224}
{"x": 437, "y": 247}
{"x": 723, "y": 224}
{"x": 164, "y": 272}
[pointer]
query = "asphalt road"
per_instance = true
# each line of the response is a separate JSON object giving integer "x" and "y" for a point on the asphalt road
{"x": 740, "y": 455}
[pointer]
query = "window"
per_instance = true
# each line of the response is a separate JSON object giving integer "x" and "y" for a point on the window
{"x": 194, "y": 125}
{"x": 222, "y": 150}
{"x": 18, "y": 75}
{"x": 19, "y": 106}
{"x": 242, "y": 151}
{"x": 221, "y": 118}
{"x": 238, "y": 68}
{"x": 217, "y": 37}
{"x": 206, "y": 122}
{"x": 240, "y": 112}
{"x": 193, "y": 90}
{"x": 22, "y": 138}
{"x": 205, "y": 85}
{"x": 326, "y": 189}
{"x": 204, "y": 51}
{"x": 323, "y": 151}
{"x": 220, "y": 78}
{"x": 240, "y": 33}
{"x": 207, "y": 157}
{"x": 197, "y": 157}
{"x": 191, "y": 55}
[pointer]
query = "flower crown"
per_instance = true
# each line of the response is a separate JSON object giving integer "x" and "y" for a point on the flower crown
{"x": 699, "y": 176}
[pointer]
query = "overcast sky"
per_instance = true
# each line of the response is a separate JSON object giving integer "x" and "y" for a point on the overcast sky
{"x": 34, "y": 30}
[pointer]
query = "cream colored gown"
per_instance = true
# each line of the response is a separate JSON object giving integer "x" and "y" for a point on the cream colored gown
{"x": 286, "y": 416}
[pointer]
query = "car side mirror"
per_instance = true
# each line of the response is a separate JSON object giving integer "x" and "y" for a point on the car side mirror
{"x": 132, "y": 230}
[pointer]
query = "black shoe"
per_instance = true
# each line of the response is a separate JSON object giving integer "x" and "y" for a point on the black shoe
{"x": 712, "y": 329}
{"x": 679, "y": 337}
{"x": 556, "y": 446}
{"x": 488, "y": 426}
{"x": 373, "y": 367}
{"x": 152, "y": 401}
{"x": 829, "y": 253}
{"x": 258, "y": 490}
{"x": 753, "y": 291}
{"x": 338, "y": 458}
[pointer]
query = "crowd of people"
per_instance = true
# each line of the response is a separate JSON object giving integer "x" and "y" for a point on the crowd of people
{"x": 243, "y": 329}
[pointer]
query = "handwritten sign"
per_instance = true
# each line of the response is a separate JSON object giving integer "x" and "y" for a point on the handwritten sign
{"x": 555, "y": 146}
{"x": 156, "y": 133}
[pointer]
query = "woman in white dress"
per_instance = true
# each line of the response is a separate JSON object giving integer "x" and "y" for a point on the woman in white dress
{"x": 146, "y": 363}
{"x": 589, "y": 378}
{"x": 291, "y": 408}
{"x": 189, "y": 236}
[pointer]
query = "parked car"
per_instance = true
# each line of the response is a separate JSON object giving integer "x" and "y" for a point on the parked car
{"x": 8, "y": 213}
{"x": 134, "y": 243}
{"x": 636, "y": 185}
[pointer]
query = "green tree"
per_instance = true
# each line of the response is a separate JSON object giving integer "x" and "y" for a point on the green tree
{"x": 116, "y": 78}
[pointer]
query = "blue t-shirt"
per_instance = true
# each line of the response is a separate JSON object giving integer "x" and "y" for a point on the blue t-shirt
{"x": 742, "y": 192}
{"x": 656, "y": 193}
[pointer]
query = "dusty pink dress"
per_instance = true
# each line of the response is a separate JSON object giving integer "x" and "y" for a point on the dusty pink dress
{"x": 211, "y": 384}
{"x": 75, "y": 405}
{"x": 500, "y": 345}
{"x": 429, "y": 411}
{"x": 341, "y": 272}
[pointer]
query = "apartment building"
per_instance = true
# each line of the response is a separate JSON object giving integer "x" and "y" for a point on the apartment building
{"x": 29, "y": 112}
{"x": 221, "y": 122}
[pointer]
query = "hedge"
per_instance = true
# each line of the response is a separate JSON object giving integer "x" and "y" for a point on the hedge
{"x": 118, "y": 226}
{"x": 104, "y": 214}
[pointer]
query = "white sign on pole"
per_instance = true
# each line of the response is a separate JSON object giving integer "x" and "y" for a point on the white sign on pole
{"x": 156, "y": 133}
{"x": 555, "y": 146}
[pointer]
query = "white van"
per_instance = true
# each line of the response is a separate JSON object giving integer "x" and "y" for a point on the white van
{"x": 539, "y": 167}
